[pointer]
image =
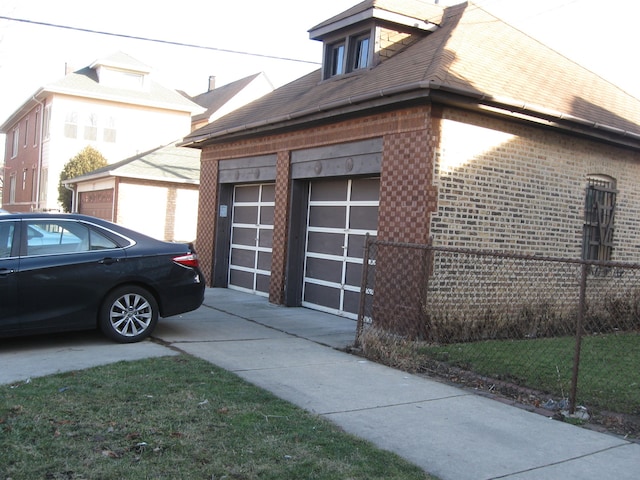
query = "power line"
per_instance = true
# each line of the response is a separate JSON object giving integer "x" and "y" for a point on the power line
{"x": 155, "y": 40}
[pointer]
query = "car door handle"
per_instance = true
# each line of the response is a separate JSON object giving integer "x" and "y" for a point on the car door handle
{"x": 109, "y": 261}
{"x": 6, "y": 271}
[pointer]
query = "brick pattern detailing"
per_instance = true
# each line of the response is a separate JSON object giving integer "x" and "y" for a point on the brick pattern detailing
{"x": 406, "y": 193}
{"x": 390, "y": 123}
{"x": 407, "y": 198}
{"x": 207, "y": 215}
{"x": 280, "y": 228}
{"x": 347, "y": 131}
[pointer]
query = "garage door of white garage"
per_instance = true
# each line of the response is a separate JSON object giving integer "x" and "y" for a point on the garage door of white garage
{"x": 340, "y": 213}
{"x": 251, "y": 238}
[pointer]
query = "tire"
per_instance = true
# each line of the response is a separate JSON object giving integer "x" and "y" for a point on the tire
{"x": 128, "y": 314}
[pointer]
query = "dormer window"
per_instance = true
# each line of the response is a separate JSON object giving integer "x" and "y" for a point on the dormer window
{"x": 361, "y": 52}
{"x": 337, "y": 59}
{"x": 348, "y": 55}
{"x": 371, "y": 32}
{"x": 123, "y": 72}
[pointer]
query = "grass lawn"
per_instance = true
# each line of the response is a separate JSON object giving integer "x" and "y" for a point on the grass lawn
{"x": 173, "y": 418}
{"x": 609, "y": 377}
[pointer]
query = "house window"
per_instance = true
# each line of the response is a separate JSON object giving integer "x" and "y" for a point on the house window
{"x": 109, "y": 132}
{"x": 35, "y": 128}
{"x": 46, "y": 122}
{"x": 337, "y": 59}
{"x": 360, "y": 54}
{"x": 26, "y": 131}
{"x": 91, "y": 128}
{"x": 348, "y": 54}
{"x": 24, "y": 179}
{"x": 44, "y": 184}
{"x": 33, "y": 184}
{"x": 71, "y": 125}
{"x": 16, "y": 141}
{"x": 599, "y": 213}
{"x": 12, "y": 188}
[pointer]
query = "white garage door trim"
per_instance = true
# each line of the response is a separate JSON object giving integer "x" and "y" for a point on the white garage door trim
{"x": 256, "y": 249}
{"x": 344, "y": 259}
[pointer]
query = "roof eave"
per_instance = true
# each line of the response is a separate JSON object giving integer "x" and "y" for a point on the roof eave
{"x": 537, "y": 114}
{"x": 443, "y": 94}
{"x": 318, "y": 33}
{"x": 21, "y": 111}
{"x": 191, "y": 109}
{"x": 88, "y": 177}
{"x": 115, "y": 174}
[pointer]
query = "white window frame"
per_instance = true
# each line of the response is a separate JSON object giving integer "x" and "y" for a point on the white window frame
{"x": 46, "y": 122}
{"x": 16, "y": 142}
{"x": 71, "y": 125}
{"x": 91, "y": 127}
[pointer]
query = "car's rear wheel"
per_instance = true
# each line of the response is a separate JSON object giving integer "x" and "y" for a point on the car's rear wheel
{"x": 128, "y": 314}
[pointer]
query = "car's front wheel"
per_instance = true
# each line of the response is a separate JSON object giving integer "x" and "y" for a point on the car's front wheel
{"x": 128, "y": 314}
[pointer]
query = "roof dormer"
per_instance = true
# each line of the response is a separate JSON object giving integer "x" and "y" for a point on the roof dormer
{"x": 372, "y": 31}
{"x": 122, "y": 71}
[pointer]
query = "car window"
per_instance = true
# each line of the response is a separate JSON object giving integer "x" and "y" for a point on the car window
{"x": 6, "y": 238}
{"x": 49, "y": 237}
{"x": 98, "y": 241}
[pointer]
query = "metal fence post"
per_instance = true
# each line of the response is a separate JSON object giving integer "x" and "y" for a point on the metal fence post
{"x": 363, "y": 290}
{"x": 579, "y": 333}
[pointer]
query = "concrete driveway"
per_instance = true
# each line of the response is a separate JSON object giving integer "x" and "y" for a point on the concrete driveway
{"x": 28, "y": 357}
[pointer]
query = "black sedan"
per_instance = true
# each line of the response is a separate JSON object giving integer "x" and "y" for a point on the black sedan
{"x": 61, "y": 272}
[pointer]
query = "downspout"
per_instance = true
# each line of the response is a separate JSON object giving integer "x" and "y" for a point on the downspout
{"x": 74, "y": 200}
{"x": 40, "y": 148}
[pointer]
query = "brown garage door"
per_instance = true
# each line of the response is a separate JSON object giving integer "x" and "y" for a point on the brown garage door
{"x": 251, "y": 238}
{"x": 98, "y": 203}
{"x": 341, "y": 212}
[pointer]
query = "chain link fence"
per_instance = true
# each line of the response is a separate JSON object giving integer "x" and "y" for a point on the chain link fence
{"x": 554, "y": 333}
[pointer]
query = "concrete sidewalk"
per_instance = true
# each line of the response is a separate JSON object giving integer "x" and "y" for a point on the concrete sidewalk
{"x": 449, "y": 432}
{"x": 296, "y": 354}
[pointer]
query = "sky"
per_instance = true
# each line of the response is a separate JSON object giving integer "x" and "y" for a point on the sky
{"x": 239, "y": 38}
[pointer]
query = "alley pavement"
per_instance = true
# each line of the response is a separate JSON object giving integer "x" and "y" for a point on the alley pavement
{"x": 299, "y": 355}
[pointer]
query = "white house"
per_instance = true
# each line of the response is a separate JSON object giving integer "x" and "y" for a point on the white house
{"x": 113, "y": 105}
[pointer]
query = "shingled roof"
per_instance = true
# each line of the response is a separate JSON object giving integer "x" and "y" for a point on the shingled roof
{"x": 472, "y": 58}
{"x": 167, "y": 163}
{"x": 85, "y": 83}
{"x": 214, "y": 99}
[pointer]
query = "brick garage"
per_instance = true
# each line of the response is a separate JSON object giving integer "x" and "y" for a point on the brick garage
{"x": 462, "y": 159}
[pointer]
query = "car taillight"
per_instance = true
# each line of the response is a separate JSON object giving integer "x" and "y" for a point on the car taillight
{"x": 190, "y": 260}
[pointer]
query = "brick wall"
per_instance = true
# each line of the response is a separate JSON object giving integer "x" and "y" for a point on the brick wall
{"x": 280, "y": 229}
{"x": 405, "y": 127}
{"x": 515, "y": 188}
{"x": 390, "y": 41}
{"x": 461, "y": 178}
{"x": 207, "y": 212}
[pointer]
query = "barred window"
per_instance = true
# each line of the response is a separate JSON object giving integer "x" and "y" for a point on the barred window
{"x": 599, "y": 213}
